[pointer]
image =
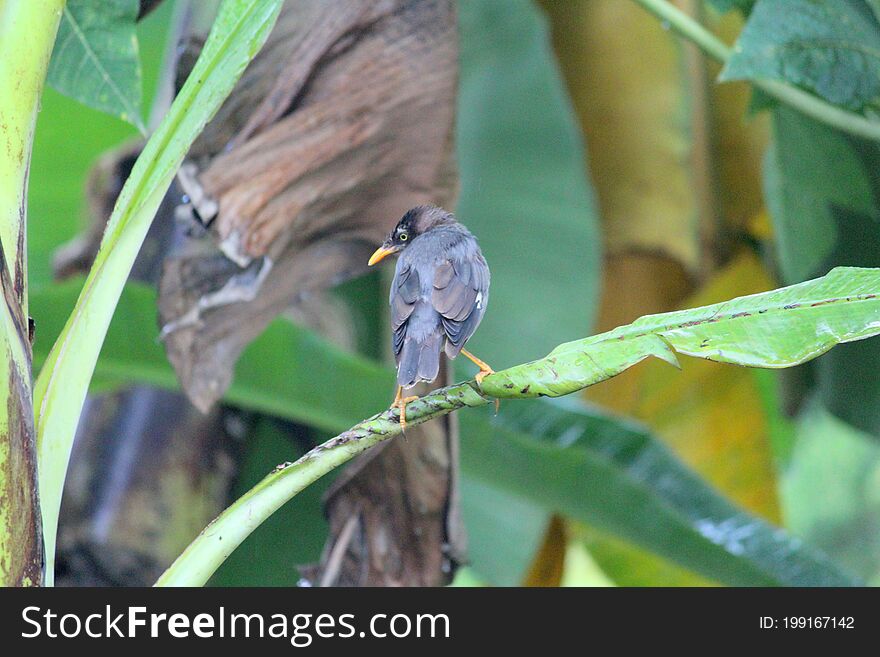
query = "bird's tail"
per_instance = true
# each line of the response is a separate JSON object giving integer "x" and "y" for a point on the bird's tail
{"x": 419, "y": 360}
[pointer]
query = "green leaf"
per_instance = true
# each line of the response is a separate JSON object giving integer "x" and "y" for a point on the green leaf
{"x": 504, "y": 529}
{"x": 96, "y": 59}
{"x": 822, "y": 192}
{"x": 524, "y": 189}
{"x": 238, "y": 33}
{"x": 774, "y": 329}
{"x": 615, "y": 476}
{"x": 62, "y": 158}
{"x": 603, "y": 470}
{"x": 830, "y": 491}
{"x": 830, "y": 47}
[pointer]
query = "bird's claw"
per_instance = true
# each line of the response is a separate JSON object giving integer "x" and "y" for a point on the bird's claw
{"x": 401, "y": 405}
{"x": 482, "y": 374}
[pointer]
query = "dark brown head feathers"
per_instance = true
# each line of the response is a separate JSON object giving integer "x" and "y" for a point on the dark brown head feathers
{"x": 423, "y": 218}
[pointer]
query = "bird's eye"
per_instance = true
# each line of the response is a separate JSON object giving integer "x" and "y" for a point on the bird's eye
{"x": 403, "y": 237}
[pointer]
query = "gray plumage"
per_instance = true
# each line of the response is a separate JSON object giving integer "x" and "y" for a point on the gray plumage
{"x": 438, "y": 295}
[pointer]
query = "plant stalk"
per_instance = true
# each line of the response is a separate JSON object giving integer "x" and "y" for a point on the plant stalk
{"x": 27, "y": 35}
{"x": 219, "y": 539}
{"x": 789, "y": 326}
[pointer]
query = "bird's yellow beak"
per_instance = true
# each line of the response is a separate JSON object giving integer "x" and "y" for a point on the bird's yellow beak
{"x": 380, "y": 253}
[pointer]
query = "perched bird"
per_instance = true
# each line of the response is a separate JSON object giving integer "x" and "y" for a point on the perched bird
{"x": 438, "y": 295}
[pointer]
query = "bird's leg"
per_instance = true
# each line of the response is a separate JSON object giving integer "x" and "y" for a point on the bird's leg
{"x": 400, "y": 402}
{"x": 485, "y": 371}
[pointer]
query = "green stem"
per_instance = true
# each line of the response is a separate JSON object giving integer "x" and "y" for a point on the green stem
{"x": 218, "y": 540}
{"x": 689, "y": 28}
{"x": 27, "y": 35}
{"x": 238, "y": 33}
{"x": 775, "y": 329}
{"x": 792, "y": 96}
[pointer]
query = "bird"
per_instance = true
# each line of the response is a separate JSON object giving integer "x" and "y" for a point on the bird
{"x": 438, "y": 296}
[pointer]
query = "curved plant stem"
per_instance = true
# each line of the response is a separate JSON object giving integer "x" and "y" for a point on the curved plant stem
{"x": 803, "y": 101}
{"x": 690, "y": 29}
{"x": 218, "y": 540}
{"x": 774, "y": 329}
{"x": 27, "y": 35}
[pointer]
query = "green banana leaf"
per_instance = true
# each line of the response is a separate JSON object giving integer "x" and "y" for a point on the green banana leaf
{"x": 537, "y": 455}
{"x": 96, "y": 58}
{"x": 776, "y": 329}
{"x": 614, "y": 475}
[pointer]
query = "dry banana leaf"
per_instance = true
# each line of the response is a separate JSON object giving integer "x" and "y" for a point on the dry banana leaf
{"x": 342, "y": 123}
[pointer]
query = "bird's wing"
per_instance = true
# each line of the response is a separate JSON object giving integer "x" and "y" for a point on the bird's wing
{"x": 461, "y": 291}
{"x": 404, "y": 294}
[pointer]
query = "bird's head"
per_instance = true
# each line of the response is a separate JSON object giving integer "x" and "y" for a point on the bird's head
{"x": 417, "y": 221}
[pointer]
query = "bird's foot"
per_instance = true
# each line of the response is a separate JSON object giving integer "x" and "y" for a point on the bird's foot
{"x": 485, "y": 370}
{"x": 482, "y": 374}
{"x": 400, "y": 403}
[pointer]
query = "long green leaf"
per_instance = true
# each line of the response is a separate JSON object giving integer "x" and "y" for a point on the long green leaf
{"x": 238, "y": 33}
{"x": 615, "y": 476}
{"x": 96, "y": 58}
{"x": 775, "y": 329}
{"x": 581, "y": 462}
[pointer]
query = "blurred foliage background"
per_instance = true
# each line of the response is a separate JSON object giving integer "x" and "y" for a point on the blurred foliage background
{"x": 607, "y": 175}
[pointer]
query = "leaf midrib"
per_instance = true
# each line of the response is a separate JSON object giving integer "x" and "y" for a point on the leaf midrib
{"x": 133, "y": 112}
{"x": 637, "y": 330}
